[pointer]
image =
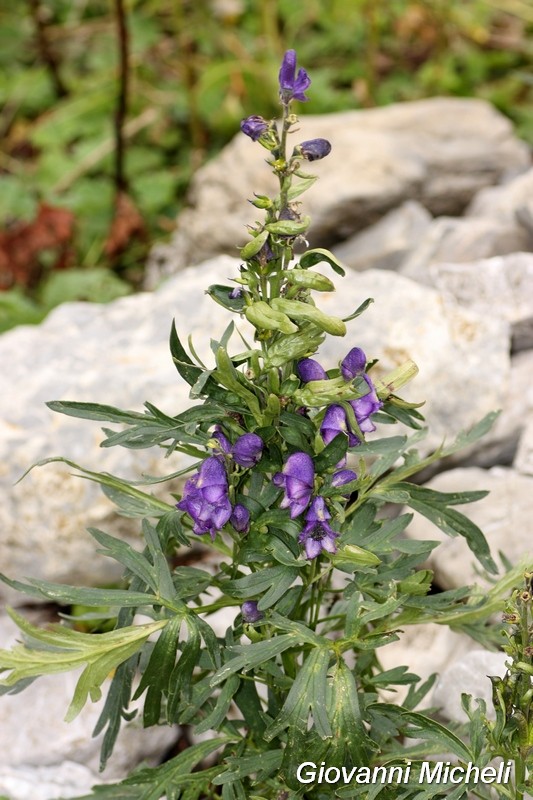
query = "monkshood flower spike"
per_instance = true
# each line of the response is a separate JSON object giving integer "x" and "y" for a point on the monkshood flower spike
{"x": 263, "y": 634}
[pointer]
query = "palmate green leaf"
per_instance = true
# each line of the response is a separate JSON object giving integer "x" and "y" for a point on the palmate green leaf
{"x": 61, "y": 649}
{"x": 169, "y": 780}
{"x": 307, "y": 695}
{"x": 434, "y": 506}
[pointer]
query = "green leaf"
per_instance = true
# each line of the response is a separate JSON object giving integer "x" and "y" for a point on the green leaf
{"x": 263, "y": 764}
{"x": 359, "y": 310}
{"x": 67, "y": 649}
{"x": 183, "y": 362}
{"x": 350, "y": 744}
{"x": 228, "y": 376}
{"x": 432, "y": 505}
{"x": 158, "y": 672}
{"x": 221, "y": 294}
{"x": 423, "y": 727}
{"x": 78, "y": 595}
{"x": 223, "y": 703}
{"x": 334, "y": 452}
{"x": 265, "y": 580}
{"x": 318, "y": 256}
{"x": 307, "y": 694}
{"x": 294, "y": 346}
{"x": 253, "y": 655}
{"x": 167, "y": 780}
{"x": 96, "y": 411}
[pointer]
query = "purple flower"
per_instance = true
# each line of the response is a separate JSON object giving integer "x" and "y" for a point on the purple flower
{"x": 317, "y": 535}
{"x": 292, "y": 86}
{"x": 314, "y": 149}
{"x": 223, "y": 443}
{"x": 310, "y": 370}
{"x": 205, "y": 497}
{"x": 247, "y": 450}
{"x": 235, "y": 294}
{"x": 297, "y": 478}
{"x": 335, "y": 422}
{"x": 250, "y": 612}
{"x": 343, "y": 476}
{"x": 365, "y": 406}
{"x": 254, "y": 127}
{"x": 240, "y": 518}
{"x": 353, "y": 364}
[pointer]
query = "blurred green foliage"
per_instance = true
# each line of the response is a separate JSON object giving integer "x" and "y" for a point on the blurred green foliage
{"x": 196, "y": 68}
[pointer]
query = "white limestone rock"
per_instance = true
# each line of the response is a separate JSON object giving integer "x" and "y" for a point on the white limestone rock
{"x": 468, "y": 674}
{"x": 385, "y": 244}
{"x": 34, "y": 735}
{"x": 439, "y": 152}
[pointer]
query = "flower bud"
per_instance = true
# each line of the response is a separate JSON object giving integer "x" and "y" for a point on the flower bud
{"x": 247, "y": 450}
{"x": 240, "y": 518}
{"x": 250, "y": 612}
{"x": 254, "y": 127}
{"x": 313, "y": 149}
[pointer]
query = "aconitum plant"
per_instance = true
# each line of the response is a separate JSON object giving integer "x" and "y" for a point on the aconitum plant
{"x": 290, "y": 466}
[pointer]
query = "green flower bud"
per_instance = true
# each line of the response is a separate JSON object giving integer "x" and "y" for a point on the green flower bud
{"x": 252, "y": 248}
{"x": 304, "y": 311}
{"x": 262, "y": 316}
{"x": 310, "y": 280}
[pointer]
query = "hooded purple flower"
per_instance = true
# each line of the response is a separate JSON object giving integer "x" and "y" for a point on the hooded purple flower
{"x": 250, "y": 612}
{"x": 247, "y": 450}
{"x": 205, "y": 497}
{"x": 240, "y": 518}
{"x": 343, "y": 476}
{"x": 254, "y": 127}
{"x": 297, "y": 478}
{"x": 310, "y": 370}
{"x": 335, "y": 422}
{"x": 353, "y": 364}
{"x": 223, "y": 443}
{"x": 292, "y": 86}
{"x": 317, "y": 534}
{"x": 365, "y": 406}
{"x": 314, "y": 149}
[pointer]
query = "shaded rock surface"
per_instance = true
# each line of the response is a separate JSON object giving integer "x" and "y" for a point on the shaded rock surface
{"x": 439, "y": 152}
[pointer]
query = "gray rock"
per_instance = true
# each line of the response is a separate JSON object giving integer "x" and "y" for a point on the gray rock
{"x": 385, "y": 244}
{"x": 439, "y": 151}
{"x": 509, "y": 203}
{"x": 468, "y": 674}
{"x": 504, "y": 516}
{"x": 453, "y": 239}
{"x": 425, "y": 649}
{"x": 457, "y": 351}
{"x": 33, "y": 731}
{"x": 524, "y": 456}
{"x": 46, "y": 783}
{"x": 118, "y": 354}
{"x": 502, "y": 286}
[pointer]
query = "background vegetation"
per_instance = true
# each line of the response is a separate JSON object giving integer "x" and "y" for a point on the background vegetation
{"x": 108, "y": 108}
